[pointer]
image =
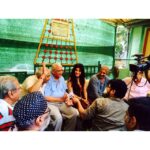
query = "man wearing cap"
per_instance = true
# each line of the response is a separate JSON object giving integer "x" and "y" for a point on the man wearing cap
{"x": 32, "y": 113}
{"x": 38, "y": 82}
{"x": 9, "y": 94}
{"x": 55, "y": 94}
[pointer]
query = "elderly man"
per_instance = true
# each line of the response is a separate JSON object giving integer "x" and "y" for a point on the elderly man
{"x": 107, "y": 113}
{"x": 32, "y": 113}
{"x": 36, "y": 82}
{"x": 55, "y": 93}
{"x": 97, "y": 84}
{"x": 9, "y": 94}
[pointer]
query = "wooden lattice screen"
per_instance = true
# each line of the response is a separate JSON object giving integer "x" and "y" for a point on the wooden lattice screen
{"x": 57, "y": 43}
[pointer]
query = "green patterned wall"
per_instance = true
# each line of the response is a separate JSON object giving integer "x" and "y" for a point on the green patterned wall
{"x": 19, "y": 40}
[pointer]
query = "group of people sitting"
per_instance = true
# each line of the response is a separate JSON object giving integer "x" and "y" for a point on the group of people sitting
{"x": 45, "y": 101}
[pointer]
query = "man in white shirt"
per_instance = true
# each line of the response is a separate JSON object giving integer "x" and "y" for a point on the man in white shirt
{"x": 36, "y": 82}
{"x": 9, "y": 94}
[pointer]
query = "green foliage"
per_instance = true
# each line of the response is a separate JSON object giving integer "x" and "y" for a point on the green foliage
{"x": 121, "y": 41}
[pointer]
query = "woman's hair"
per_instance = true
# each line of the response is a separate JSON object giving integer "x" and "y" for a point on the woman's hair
{"x": 73, "y": 78}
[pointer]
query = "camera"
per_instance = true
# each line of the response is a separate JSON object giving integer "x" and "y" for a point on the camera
{"x": 141, "y": 64}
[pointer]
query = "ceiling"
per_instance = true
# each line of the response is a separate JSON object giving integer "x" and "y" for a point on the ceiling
{"x": 127, "y": 22}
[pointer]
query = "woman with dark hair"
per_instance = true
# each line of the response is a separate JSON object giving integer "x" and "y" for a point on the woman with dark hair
{"x": 77, "y": 83}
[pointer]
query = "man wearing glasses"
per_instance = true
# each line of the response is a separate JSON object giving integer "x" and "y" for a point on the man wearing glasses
{"x": 9, "y": 94}
{"x": 32, "y": 113}
{"x": 38, "y": 82}
{"x": 59, "y": 102}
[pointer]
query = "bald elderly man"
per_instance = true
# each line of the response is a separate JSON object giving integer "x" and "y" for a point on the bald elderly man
{"x": 97, "y": 84}
{"x": 60, "y": 104}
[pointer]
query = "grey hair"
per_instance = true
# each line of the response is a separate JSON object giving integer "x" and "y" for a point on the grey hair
{"x": 39, "y": 72}
{"x": 55, "y": 65}
{"x": 7, "y": 84}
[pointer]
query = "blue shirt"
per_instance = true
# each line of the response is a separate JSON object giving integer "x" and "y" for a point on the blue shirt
{"x": 96, "y": 88}
{"x": 55, "y": 88}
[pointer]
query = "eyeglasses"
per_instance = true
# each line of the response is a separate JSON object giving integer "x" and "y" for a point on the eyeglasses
{"x": 60, "y": 70}
{"x": 17, "y": 89}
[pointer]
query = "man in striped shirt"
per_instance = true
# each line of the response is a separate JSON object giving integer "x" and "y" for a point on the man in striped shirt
{"x": 9, "y": 94}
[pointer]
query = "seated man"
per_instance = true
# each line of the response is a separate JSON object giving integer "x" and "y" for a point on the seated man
{"x": 9, "y": 94}
{"x": 55, "y": 93}
{"x": 138, "y": 114}
{"x": 97, "y": 84}
{"x": 137, "y": 87}
{"x": 32, "y": 113}
{"x": 36, "y": 82}
{"x": 107, "y": 113}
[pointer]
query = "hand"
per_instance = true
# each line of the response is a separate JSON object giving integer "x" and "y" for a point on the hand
{"x": 86, "y": 102}
{"x": 65, "y": 97}
{"x": 69, "y": 102}
{"x": 75, "y": 100}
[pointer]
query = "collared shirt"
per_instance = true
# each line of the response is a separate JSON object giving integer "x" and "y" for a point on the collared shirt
{"x": 55, "y": 88}
{"x": 6, "y": 115}
{"x": 96, "y": 88}
{"x": 139, "y": 90}
{"x": 106, "y": 113}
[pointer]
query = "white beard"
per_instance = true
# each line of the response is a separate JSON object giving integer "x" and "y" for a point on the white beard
{"x": 45, "y": 124}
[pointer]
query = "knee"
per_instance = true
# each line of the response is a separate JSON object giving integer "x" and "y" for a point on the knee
{"x": 75, "y": 113}
{"x": 59, "y": 119}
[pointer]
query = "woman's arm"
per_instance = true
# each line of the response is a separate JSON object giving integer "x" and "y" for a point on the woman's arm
{"x": 69, "y": 85}
{"x": 85, "y": 90}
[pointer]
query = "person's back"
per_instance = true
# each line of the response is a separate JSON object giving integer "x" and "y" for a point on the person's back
{"x": 109, "y": 114}
{"x": 31, "y": 112}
